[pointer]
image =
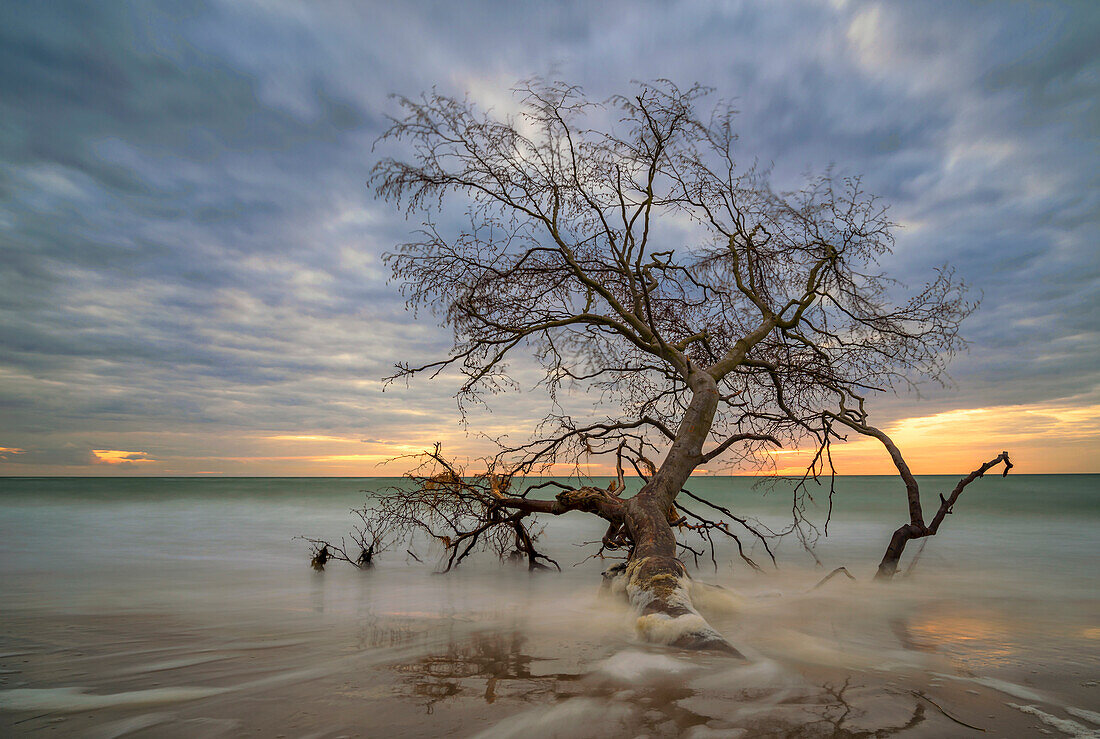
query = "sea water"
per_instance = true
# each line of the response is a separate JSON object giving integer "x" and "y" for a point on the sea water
{"x": 186, "y": 607}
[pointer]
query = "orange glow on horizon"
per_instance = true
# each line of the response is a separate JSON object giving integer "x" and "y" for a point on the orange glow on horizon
{"x": 1040, "y": 438}
{"x": 1058, "y": 437}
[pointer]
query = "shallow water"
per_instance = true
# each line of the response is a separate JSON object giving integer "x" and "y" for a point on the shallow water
{"x": 182, "y": 607}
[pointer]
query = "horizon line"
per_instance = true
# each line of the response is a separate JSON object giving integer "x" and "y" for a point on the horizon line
{"x": 398, "y": 477}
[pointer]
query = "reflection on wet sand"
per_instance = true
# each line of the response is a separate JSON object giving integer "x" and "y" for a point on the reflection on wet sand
{"x": 375, "y": 632}
{"x": 651, "y": 692}
{"x": 839, "y": 711}
{"x": 969, "y": 636}
{"x": 490, "y": 664}
{"x": 514, "y": 677}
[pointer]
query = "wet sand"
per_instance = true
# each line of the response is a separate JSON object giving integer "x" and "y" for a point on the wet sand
{"x": 848, "y": 660}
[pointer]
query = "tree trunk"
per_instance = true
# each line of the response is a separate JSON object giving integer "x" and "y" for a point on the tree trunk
{"x": 656, "y": 581}
{"x": 889, "y": 564}
{"x": 916, "y": 528}
{"x": 659, "y": 589}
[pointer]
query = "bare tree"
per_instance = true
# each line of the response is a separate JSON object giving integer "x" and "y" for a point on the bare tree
{"x": 621, "y": 245}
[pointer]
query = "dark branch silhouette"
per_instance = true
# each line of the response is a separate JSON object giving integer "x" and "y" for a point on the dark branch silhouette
{"x": 623, "y": 247}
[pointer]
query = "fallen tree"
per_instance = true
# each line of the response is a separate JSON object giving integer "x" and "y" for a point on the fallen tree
{"x": 621, "y": 245}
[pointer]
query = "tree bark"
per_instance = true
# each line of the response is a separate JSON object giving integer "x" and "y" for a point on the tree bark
{"x": 655, "y": 580}
{"x": 916, "y": 528}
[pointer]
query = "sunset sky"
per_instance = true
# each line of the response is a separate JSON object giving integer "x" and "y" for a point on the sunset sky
{"x": 189, "y": 255}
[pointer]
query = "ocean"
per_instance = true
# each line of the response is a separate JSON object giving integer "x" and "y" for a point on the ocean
{"x": 186, "y": 607}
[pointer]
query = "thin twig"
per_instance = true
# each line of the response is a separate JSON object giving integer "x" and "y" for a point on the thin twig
{"x": 832, "y": 574}
{"x": 960, "y": 722}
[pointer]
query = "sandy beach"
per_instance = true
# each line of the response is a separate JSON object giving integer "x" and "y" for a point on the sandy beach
{"x": 818, "y": 669}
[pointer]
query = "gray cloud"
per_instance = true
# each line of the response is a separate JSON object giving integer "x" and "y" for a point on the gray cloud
{"x": 189, "y": 246}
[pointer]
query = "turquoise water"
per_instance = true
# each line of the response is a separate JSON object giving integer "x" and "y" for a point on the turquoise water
{"x": 1042, "y": 515}
{"x": 58, "y": 527}
{"x": 1031, "y": 519}
{"x": 1032, "y": 495}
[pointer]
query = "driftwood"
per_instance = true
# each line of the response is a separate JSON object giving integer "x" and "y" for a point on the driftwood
{"x": 941, "y": 709}
{"x": 831, "y": 575}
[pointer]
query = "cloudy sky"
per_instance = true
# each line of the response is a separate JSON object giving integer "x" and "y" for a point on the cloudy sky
{"x": 189, "y": 255}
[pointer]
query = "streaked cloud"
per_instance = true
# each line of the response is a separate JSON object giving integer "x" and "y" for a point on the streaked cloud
{"x": 191, "y": 259}
{"x": 313, "y": 437}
